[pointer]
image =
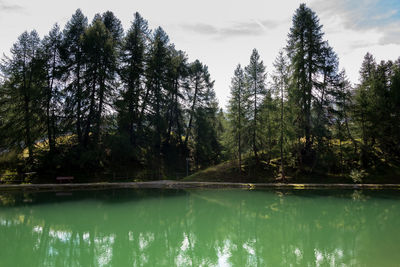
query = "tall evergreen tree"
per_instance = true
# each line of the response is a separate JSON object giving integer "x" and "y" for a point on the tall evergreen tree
{"x": 22, "y": 92}
{"x": 342, "y": 103}
{"x": 99, "y": 51}
{"x": 199, "y": 83}
{"x": 280, "y": 82}
{"x": 207, "y": 149}
{"x": 132, "y": 74}
{"x": 53, "y": 67}
{"x": 236, "y": 110}
{"x": 73, "y": 59}
{"x": 177, "y": 75}
{"x": 255, "y": 91}
{"x": 362, "y": 109}
{"x": 310, "y": 61}
{"x": 157, "y": 87}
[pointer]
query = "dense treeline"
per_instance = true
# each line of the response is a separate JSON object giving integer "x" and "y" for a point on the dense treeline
{"x": 309, "y": 118}
{"x": 92, "y": 98}
{"x": 95, "y": 100}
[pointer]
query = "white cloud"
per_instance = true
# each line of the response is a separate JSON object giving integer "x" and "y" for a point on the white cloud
{"x": 7, "y": 7}
{"x": 236, "y": 29}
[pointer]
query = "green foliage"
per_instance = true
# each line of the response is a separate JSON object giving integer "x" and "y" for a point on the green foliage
{"x": 98, "y": 103}
{"x": 313, "y": 65}
{"x": 357, "y": 175}
{"x": 310, "y": 117}
{"x": 236, "y": 114}
{"x": 21, "y": 93}
{"x": 255, "y": 92}
{"x": 133, "y": 53}
{"x": 94, "y": 102}
{"x": 376, "y": 111}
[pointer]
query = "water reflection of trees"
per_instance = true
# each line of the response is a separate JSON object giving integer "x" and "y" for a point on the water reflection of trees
{"x": 203, "y": 228}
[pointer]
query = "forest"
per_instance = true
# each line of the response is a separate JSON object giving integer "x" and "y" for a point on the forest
{"x": 98, "y": 102}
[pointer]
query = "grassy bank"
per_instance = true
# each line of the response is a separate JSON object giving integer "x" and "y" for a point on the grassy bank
{"x": 263, "y": 172}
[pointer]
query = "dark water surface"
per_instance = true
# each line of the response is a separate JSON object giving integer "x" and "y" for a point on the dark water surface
{"x": 128, "y": 227}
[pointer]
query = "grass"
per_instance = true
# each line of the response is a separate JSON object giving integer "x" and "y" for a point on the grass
{"x": 261, "y": 171}
{"x": 223, "y": 172}
{"x": 228, "y": 171}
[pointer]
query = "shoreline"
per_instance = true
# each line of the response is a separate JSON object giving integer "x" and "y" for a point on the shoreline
{"x": 171, "y": 184}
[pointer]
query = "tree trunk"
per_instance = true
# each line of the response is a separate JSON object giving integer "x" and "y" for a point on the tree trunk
{"x": 28, "y": 137}
{"x": 145, "y": 99}
{"x": 281, "y": 145}
{"x": 364, "y": 156}
{"x": 131, "y": 112}
{"x": 191, "y": 112}
{"x": 239, "y": 131}
{"x": 91, "y": 110}
{"x": 308, "y": 97}
{"x": 26, "y": 89}
{"x": 255, "y": 117}
{"x": 99, "y": 111}
{"x": 50, "y": 119}
{"x": 79, "y": 102}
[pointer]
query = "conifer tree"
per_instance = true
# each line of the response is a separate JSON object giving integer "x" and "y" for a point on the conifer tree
{"x": 98, "y": 48}
{"x": 207, "y": 149}
{"x": 342, "y": 103}
{"x": 21, "y": 92}
{"x": 362, "y": 107}
{"x": 53, "y": 67}
{"x": 74, "y": 66}
{"x": 255, "y": 91}
{"x": 177, "y": 76}
{"x": 198, "y": 86}
{"x": 280, "y": 82}
{"x": 156, "y": 89}
{"x": 133, "y": 55}
{"x": 236, "y": 110}
{"x": 312, "y": 62}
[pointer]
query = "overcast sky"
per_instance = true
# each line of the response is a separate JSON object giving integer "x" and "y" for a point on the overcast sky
{"x": 222, "y": 33}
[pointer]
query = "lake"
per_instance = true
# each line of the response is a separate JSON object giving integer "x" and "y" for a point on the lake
{"x": 200, "y": 227}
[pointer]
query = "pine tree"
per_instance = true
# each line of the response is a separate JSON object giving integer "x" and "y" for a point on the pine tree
{"x": 207, "y": 149}
{"x": 177, "y": 75}
{"x": 199, "y": 83}
{"x": 280, "y": 82}
{"x": 255, "y": 91}
{"x": 99, "y": 51}
{"x": 362, "y": 108}
{"x": 342, "y": 103}
{"x": 157, "y": 87}
{"x": 53, "y": 67}
{"x": 236, "y": 110}
{"x": 132, "y": 75}
{"x": 22, "y": 92}
{"x": 73, "y": 61}
{"x": 311, "y": 60}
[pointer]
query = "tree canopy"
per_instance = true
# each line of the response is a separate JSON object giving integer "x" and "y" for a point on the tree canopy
{"x": 93, "y": 100}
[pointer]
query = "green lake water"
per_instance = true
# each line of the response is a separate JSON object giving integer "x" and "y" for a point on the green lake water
{"x": 128, "y": 227}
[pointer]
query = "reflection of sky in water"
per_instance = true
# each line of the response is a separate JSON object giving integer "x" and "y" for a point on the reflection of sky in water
{"x": 104, "y": 248}
{"x": 224, "y": 254}
{"x": 63, "y": 236}
{"x": 206, "y": 228}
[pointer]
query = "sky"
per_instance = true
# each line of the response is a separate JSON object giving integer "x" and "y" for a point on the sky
{"x": 223, "y": 33}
